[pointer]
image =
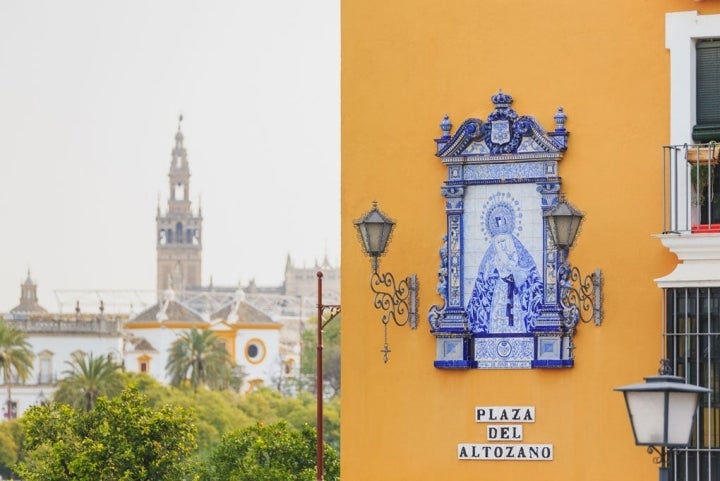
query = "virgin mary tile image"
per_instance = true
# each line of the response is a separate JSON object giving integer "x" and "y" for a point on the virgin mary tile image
{"x": 507, "y": 294}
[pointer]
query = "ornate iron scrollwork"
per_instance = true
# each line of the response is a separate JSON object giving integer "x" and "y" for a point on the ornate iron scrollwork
{"x": 580, "y": 297}
{"x": 398, "y": 301}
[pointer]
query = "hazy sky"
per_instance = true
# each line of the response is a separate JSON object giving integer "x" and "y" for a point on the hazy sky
{"x": 90, "y": 94}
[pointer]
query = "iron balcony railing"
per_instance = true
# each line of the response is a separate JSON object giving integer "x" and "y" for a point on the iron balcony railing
{"x": 691, "y": 188}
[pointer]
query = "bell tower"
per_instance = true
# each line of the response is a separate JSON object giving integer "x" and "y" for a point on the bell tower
{"x": 179, "y": 231}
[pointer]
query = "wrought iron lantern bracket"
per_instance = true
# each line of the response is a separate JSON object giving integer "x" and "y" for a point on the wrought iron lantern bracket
{"x": 397, "y": 299}
{"x": 580, "y": 296}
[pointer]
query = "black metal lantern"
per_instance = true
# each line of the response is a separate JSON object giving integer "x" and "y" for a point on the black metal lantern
{"x": 662, "y": 410}
{"x": 563, "y": 222}
{"x": 397, "y": 300}
{"x": 662, "y": 413}
{"x": 375, "y": 229}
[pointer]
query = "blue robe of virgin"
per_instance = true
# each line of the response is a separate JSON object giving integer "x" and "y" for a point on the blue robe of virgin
{"x": 521, "y": 294}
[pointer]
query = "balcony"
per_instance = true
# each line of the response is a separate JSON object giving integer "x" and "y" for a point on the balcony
{"x": 691, "y": 190}
{"x": 691, "y": 214}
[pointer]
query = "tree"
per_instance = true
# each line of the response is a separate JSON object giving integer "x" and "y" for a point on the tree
{"x": 121, "y": 439}
{"x": 272, "y": 452}
{"x": 16, "y": 359}
{"x": 200, "y": 357}
{"x": 11, "y": 438}
{"x": 331, "y": 354}
{"x": 87, "y": 379}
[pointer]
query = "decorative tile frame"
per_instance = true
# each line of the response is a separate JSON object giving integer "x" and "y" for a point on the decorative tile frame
{"x": 498, "y": 265}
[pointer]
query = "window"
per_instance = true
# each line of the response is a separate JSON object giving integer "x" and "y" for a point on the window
{"x": 707, "y": 128}
{"x": 693, "y": 41}
{"x": 45, "y": 363}
{"x": 707, "y": 84}
{"x": 693, "y": 347}
{"x": 289, "y": 365}
{"x": 179, "y": 191}
{"x": 255, "y": 351}
{"x": 684, "y": 31}
{"x": 13, "y": 410}
{"x": 143, "y": 364}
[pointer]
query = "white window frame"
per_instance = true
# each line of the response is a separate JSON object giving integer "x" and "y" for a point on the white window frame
{"x": 682, "y": 29}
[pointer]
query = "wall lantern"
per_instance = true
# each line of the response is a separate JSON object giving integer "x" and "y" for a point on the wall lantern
{"x": 580, "y": 296}
{"x": 398, "y": 300}
{"x": 564, "y": 223}
{"x": 662, "y": 413}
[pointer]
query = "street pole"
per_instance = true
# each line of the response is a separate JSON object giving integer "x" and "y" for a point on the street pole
{"x": 320, "y": 470}
{"x": 321, "y": 323}
{"x": 664, "y": 472}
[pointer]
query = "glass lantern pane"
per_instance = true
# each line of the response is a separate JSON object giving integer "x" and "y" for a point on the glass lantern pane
{"x": 374, "y": 237}
{"x": 563, "y": 226}
{"x": 647, "y": 415}
{"x": 680, "y": 416}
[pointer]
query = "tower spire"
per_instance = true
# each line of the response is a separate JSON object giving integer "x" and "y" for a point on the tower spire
{"x": 179, "y": 230}
{"x": 28, "y": 298}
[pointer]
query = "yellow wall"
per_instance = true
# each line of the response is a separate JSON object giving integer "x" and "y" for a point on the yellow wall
{"x": 406, "y": 63}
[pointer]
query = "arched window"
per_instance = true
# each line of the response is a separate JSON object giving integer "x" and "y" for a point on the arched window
{"x": 179, "y": 191}
{"x": 169, "y": 236}
{"x": 179, "y": 232}
{"x": 45, "y": 359}
{"x": 143, "y": 365}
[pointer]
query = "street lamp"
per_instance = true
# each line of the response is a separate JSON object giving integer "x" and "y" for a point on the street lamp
{"x": 334, "y": 310}
{"x": 395, "y": 299}
{"x": 375, "y": 229}
{"x": 662, "y": 413}
{"x": 580, "y": 296}
{"x": 564, "y": 223}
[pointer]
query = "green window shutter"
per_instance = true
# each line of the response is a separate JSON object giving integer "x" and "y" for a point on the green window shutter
{"x": 707, "y": 87}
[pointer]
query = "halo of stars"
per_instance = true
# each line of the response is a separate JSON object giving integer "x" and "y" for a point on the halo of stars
{"x": 501, "y": 215}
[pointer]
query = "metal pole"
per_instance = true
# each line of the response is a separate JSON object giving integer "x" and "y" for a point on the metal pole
{"x": 319, "y": 381}
{"x": 664, "y": 472}
{"x": 321, "y": 323}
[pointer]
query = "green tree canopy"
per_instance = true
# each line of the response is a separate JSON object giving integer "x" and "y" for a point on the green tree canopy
{"x": 270, "y": 452}
{"x": 331, "y": 355}
{"x": 121, "y": 439}
{"x": 10, "y": 440}
{"x": 88, "y": 378}
{"x": 198, "y": 356}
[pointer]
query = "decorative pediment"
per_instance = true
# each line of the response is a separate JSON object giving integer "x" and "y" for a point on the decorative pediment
{"x": 503, "y": 133}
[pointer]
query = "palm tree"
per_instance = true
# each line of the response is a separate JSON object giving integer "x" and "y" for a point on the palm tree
{"x": 87, "y": 379}
{"x": 16, "y": 359}
{"x": 201, "y": 358}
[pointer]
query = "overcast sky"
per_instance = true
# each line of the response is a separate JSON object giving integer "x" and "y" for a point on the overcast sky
{"x": 90, "y": 94}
